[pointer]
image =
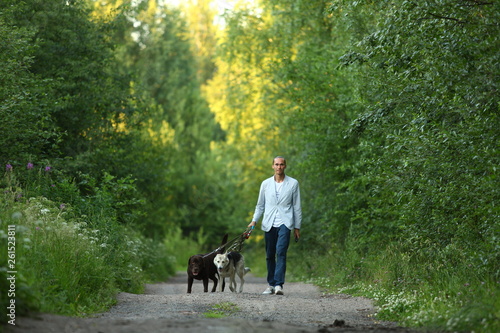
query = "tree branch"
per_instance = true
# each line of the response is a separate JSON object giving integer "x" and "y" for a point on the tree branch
{"x": 444, "y": 18}
{"x": 477, "y": 3}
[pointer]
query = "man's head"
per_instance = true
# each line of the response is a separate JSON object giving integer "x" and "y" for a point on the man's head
{"x": 279, "y": 165}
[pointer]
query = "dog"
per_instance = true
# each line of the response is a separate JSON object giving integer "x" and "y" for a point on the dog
{"x": 230, "y": 264}
{"x": 201, "y": 267}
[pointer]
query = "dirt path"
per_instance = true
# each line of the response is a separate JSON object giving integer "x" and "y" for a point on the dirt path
{"x": 166, "y": 307}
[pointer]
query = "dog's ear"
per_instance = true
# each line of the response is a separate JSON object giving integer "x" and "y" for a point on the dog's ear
{"x": 223, "y": 244}
{"x": 229, "y": 256}
{"x": 224, "y": 239}
{"x": 196, "y": 260}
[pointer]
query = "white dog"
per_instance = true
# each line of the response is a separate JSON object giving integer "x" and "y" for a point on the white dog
{"x": 228, "y": 265}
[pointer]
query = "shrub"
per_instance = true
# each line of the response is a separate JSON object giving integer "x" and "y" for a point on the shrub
{"x": 72, "y": 255}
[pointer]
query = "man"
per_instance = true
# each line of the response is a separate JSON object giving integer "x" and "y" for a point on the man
{"x": 279, "y": 201}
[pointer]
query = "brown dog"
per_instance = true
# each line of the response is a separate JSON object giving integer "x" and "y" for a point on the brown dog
{"x": 202, "y": 267}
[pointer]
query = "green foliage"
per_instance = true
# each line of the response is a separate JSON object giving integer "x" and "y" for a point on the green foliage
{"x": 389, "y": 110}
{"x": 73, "y": 252}
{"x": 433, "y": 291}
{"x": 27, "y": 129}
{"x": 73, "y": 53}
{"x": 184, "y": 247}
{"x": 433, "y": 123}
{"x": 386, "y": 110}
{"x": 132, "y": 133}
{"x": 173, "y": 148}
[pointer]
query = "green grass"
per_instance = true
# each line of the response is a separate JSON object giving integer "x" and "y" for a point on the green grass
{"x": 221, "y": 310}
{"x": 416, "y": 291}
{"x": 183, "y": 247}
{"x": 67, "y": 268}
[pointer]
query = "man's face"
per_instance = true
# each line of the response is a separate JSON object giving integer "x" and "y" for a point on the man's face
{"x": 279, "y": 166}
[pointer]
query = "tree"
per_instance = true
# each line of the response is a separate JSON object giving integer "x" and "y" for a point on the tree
{"x": 178, "y": 170}
{"x": 430, "y": 71}
{"x": 203, "y": 34}
{"x": 74, "y": 52}
{"x": 28, "y": 131}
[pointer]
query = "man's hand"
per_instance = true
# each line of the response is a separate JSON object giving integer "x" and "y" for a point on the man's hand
{"x": 296, "y": 233}
{"x": 252, "y": 224}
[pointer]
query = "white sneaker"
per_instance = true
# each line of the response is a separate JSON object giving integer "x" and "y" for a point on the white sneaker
{"x": 269, "y": 291}
{"x": 279, "y": 290}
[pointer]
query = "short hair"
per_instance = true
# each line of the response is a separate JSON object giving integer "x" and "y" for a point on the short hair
{"x": 284, "y": 159}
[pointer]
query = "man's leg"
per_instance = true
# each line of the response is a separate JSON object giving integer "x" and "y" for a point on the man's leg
{"x": 271, "y": 238}
{"x": 283, "y": 241}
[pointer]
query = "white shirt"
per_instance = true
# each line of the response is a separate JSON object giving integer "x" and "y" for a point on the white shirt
{"x": 277, "y": 219}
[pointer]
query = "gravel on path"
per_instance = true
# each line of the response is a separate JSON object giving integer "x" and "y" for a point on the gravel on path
{"x": 167, "y": 307}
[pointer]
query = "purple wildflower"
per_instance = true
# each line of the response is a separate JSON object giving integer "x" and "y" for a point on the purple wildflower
{"x": 8, "y": 167}
{"x": 29, "y": 166}
{"x": 62, "y": 206}
{"x": 47, "y": 168}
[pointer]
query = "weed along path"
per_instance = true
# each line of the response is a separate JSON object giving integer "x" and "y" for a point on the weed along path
{"x": 166, "y": 307}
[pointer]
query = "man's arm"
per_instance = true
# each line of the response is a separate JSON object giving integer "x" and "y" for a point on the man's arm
{"x": 297, "y": 209}
{"x": 259, "y": 208}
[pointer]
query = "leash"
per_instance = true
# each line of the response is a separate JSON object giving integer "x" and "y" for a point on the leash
{"x": 238, "y": 241}
{"x": 234, "y": 244}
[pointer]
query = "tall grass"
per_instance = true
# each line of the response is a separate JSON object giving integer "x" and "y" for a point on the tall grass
{"x": 415, "y": 289}
{"x": 72, "y": 251}
{"x": 184, "y": 247}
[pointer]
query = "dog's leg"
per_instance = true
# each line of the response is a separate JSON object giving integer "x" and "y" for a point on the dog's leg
{"x": 190, "y": 284}
{"x": 233, "y": 281}
{"x": 214, "y": 288}
{"x": 221, "y": 284}
{"x": 234, "y": 285}
{"x": 231, "y": 284}
{"x": 242, "y": 280}
{"x": 205, "y": 284}
{"x": 242, "y": 270}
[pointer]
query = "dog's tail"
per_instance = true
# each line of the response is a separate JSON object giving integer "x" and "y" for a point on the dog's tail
{"x": 247, "y": 269}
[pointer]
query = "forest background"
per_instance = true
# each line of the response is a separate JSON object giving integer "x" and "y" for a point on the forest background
{"x": 136, "y": 133}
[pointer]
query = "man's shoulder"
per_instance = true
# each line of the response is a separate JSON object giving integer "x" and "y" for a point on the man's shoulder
{"x": 291, "y": 179}
{"x": 268, "y": 180}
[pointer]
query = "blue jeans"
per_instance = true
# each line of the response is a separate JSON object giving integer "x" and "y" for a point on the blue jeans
{"x": 277, "y": 241}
